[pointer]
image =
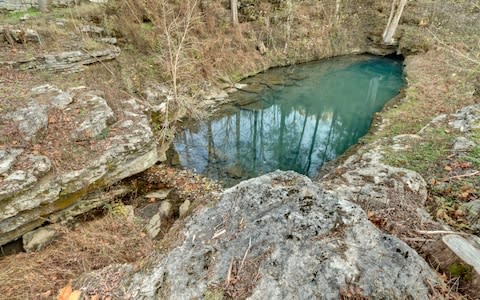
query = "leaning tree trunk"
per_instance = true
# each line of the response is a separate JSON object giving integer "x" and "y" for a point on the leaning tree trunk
{"x": 234, "y": 8}
{"x": 393, "y": 20}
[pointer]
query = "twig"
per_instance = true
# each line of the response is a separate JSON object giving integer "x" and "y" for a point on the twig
{"x": 461, "y": 176}
{"x": 218, "y": 233}
{"x": 418, "y": 240}
{"x": 245, "y": 255}
{"x": 229, "y": 274}
{"x": 440, "y": 232}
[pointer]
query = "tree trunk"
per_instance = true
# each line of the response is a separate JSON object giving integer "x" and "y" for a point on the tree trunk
{"x": 43, "y": 6}
{"x": 234, "y": 8}
{"x": 393, "y": 20}
{"x": 337, "y": 9}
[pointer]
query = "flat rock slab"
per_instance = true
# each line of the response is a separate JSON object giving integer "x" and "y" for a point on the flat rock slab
{"x": 67, "y": 62}
{"x": 280, "y": 236}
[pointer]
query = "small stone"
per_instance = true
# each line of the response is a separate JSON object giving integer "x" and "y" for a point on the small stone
{"x": 38, "y": 239}
{"x": 160, "y": 194}
{"x": 92, "y": 29}
{"x": 165, "y": 209}
{"x": 240, "y": 86}
{"x": 154, "y": 225}
{"x": 25, "y": 17}
{"x": 62, "y": 100}
{"x": 183, "y": 210}
{"x": 109, "y": 40}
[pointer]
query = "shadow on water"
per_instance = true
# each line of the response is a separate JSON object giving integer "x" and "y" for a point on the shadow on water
{"x": 292, "y": 118}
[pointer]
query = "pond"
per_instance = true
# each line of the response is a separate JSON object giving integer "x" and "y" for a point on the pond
{"x": 291, "y": 118}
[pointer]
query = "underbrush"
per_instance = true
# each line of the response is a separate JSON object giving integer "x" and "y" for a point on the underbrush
{"x": 91, "y": 246}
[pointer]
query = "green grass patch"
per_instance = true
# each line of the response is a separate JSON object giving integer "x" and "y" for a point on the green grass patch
{"x": 147, "y": 26}
{"x": 425, "y": 157}
{"x": 14, "y": 17}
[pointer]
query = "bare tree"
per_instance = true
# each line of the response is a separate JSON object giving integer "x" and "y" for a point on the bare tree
{"x": 234, "y": 9}
{"x": 288, "y": 24}
{"x": 176, "y": 33}
{"x": 393, "y": 20}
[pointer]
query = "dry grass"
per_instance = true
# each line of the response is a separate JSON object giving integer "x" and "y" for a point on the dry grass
{"x": 88, "y": 247}
{"x": 219, "y": 52}
{"x": 434, "y": 88}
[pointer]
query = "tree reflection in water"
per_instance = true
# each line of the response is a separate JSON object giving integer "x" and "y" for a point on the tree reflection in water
{"x": 294, "y": 118}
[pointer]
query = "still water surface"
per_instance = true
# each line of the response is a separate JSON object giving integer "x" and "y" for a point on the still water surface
{"x": 292, "y": 118}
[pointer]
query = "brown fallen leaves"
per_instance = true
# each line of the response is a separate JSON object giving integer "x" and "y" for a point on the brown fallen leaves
{"x": 67, "y": 293}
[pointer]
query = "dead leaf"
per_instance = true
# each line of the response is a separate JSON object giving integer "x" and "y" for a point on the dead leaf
{"x": 75, "y": 295}
{"x": 65, "y": 292}
{"x": 448, "y": 168}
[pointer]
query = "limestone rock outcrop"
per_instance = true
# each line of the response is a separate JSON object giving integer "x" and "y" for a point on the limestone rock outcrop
{"x": 63, "y": 145}
{"x": 280, "y": 236}
{"x": 67, "y": 61}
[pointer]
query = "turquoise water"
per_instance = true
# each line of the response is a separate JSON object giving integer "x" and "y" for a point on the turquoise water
{"x": 292, "y": 118}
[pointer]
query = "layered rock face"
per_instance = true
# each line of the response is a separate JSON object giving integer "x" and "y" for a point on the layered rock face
{"x": 280, "y": 236}
{"x": 26, "y": 4}
{"x": 62, "y": 145}
{"x": 67, "y": 62}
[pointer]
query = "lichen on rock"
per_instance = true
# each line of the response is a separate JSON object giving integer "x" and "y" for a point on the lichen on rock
{"x": 280, "y": 236}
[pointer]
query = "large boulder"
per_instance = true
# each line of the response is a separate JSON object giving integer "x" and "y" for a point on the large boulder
{"x": 62, "y": 146}
{"x": 278, "y": 236}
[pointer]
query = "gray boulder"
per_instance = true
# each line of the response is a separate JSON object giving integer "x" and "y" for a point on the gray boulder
{"x": 280, "y": 236}
{"x": 38, "y": 239}
{"x": 467, "y": 118}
